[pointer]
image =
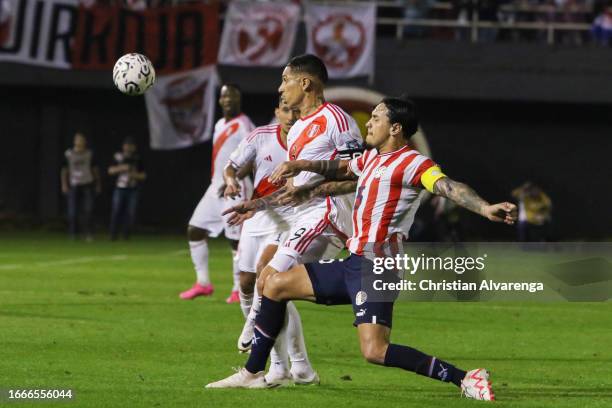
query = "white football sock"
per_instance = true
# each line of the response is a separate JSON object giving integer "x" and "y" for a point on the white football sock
{"x": 236, "y": 271}
{"x": 199, "y": 256}
{"x": 246, "y": 300}
{"x": 300, "y": 365}
{"x": 279, "y": 361}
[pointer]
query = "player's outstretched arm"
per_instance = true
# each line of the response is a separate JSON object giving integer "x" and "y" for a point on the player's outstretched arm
{"x": 330, "y": 169}
{"x": 299, "y": 195}
{"x": 466, "y": 197}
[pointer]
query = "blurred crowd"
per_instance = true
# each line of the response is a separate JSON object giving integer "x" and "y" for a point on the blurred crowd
{"x": 596, "y": 13}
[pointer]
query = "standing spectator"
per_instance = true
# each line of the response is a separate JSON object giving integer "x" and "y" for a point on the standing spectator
{"x": 129, "y": 172}
{"x": 602, "y": 27}
{"x": 80, "y": 181}
{"x": 534, "y": 213}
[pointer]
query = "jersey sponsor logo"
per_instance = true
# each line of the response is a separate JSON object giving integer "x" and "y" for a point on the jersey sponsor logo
{"x": 361, "y": 298}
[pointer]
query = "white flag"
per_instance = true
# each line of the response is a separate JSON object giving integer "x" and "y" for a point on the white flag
{"x": 343, "y": 36}
{"x": 258, "y": 34}
{"x": 181, "y": 108}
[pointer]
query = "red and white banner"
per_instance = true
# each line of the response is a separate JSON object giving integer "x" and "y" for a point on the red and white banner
{"x": 258, "y": 34}
{"x": 181, "y": 108}
{"x": 343, "y": 36}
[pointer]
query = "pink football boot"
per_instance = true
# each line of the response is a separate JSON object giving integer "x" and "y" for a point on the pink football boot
{"x": 197, "y": 290}
{"x": 234, "y": 297}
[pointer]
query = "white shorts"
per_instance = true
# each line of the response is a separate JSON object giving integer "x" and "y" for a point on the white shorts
{"x": 207, "y": 214}
{"x": 311, "y": 238}
{"x": 251, "y": 248}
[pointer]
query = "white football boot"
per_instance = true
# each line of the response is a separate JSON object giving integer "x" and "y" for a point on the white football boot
{"x": 278, "y": 378}
{"x": 476, "y": 385}
{"x": 246, "y": 337}
{"x": 313, "y": 379}
{"x": 242, "y": 379}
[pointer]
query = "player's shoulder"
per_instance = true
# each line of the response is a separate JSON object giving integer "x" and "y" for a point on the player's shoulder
{"x": 245, "y": 122}
{"x": 338, "y": 117}
{"x": 262, "y": 132}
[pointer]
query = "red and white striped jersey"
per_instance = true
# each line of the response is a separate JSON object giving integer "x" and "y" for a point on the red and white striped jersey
{"x": 265, "y": 148}
{"x": 322, "y": 135}
{"x": 387, "y": 199}
{"x": 226, "y": 138}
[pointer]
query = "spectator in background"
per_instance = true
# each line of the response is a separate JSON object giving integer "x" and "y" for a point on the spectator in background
{"x": 602, "y": 27}
{"x": 415, "y": 10}
{"x": 534, "y": 213}
{"x": 487, "y": 11}
{"x": 130, "y": 174}
{"x": 80, "y": 181}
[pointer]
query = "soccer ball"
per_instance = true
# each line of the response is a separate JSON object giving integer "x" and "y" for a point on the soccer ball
{"x": 133, "y": 74}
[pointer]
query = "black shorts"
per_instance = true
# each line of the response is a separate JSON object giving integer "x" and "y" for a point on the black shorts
{"x": 339, "y": 282}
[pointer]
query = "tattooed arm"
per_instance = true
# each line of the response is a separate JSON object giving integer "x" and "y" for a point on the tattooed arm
{"x": 466, "y": 197}
{"x": 330, "y": 169}
{"x": 300, "y": 195}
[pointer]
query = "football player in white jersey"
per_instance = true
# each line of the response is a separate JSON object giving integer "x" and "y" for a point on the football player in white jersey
{"x": 320, "y": 223}
{"x": 207, "y": 219}
{"x": 265, "y": 148}
{"x": 390, "y": 177}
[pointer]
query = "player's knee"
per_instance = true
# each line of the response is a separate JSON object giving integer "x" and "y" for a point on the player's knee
{"x": 196, "y": 234}
{"x": 247, "y": 282}
{"x": 276, "y": 286}
{"x": 374, "y": 351}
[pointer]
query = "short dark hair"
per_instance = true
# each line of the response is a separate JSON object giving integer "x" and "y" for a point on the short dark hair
{"x": 233, "y": 85}
{"x": 403, "y": 111}
{"x": 311, "y": 64}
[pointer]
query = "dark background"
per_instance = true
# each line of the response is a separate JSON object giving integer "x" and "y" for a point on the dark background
{"x": 495, "y": 115}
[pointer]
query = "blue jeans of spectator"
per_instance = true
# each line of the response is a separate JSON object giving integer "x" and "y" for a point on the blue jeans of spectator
{"x": 80, "y": 206}
{"x": 123, "y": 215}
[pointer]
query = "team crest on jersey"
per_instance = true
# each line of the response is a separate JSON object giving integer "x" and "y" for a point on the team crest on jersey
{"x": 380, "y": 172}
{"x": 361, "y": 298}
{"x": 313, "y": 131}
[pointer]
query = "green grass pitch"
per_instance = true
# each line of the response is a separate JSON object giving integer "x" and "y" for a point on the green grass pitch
{"x": 105, "y": 320}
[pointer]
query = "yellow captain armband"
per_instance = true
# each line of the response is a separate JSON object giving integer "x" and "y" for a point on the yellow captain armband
{"x": 430, "y": 176}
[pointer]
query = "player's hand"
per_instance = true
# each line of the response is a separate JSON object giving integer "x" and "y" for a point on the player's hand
{"x": 295, "y": 196}
{"x": 221, "y": 190}
{"x": 503, "y": 212}
{"x": 232, "y": 189}
{"x": 238, "y": 219}
{"x": 65, "y": 189}
{"x": 239, "y": 213}
{"x": 286, "y": 170}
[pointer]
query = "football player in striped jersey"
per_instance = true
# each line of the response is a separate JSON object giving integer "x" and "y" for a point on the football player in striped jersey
{"x": 389, "y": 177}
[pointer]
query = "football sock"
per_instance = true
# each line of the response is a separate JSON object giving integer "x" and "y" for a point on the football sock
{"x": 199, "y": 256}
{"x": 413, "y": 360}
{"x": 255, "y": 306}
{"x": 246, "y": 301}
{"x": 268, "y": 325}
{"x": 235, "y": 271}
{"x": 279, "y": 363}
{"x": 300, "y": 365}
